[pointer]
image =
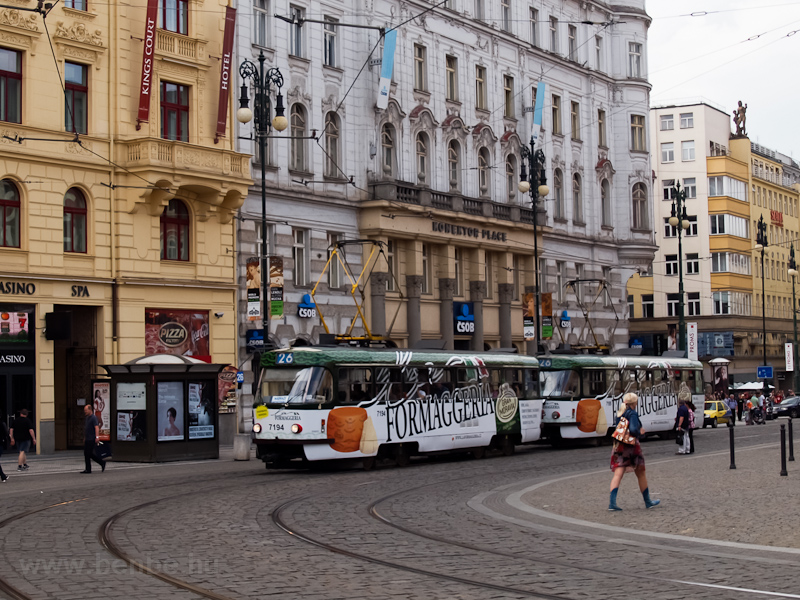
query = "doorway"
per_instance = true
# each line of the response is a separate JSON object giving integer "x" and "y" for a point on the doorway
{"x": 16, "y": 393}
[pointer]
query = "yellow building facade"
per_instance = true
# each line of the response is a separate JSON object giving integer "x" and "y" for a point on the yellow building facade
{"x": 117, "y": 232}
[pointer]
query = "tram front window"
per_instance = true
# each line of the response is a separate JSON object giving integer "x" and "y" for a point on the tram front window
{"x": 312, "y": 385}
{"x": 565, "y": 383}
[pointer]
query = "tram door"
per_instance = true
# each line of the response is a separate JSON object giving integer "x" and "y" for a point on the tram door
{"x": 16, "y": 393}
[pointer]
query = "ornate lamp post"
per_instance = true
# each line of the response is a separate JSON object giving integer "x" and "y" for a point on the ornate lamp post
{"x": 262, "y": 81}
{"x": 535, "y": 182}
{"x": 680, "y": 221}
{"x": 793, "y": 274}
{"x": 761, "y": 244}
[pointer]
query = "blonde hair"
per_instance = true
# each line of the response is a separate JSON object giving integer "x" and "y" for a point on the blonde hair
{"x": 627, "y": 399}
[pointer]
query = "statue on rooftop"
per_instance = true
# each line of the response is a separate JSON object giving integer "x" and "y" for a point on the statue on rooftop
{"x": 740, "y": 117}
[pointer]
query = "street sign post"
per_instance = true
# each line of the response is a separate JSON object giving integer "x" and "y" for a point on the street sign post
{"x": 765, "y": 372}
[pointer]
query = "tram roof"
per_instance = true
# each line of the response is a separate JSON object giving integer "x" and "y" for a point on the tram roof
{"x": 597, "y": 361}
{"x": 310, "y": 356}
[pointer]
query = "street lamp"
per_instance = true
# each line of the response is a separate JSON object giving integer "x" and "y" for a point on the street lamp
{"x": 536, "y": 184}
{"x": 262, "y": 81}
{"x": 761, "y": 244}
{"x": 680, "y": 221}
{"x": 793, "y": 274}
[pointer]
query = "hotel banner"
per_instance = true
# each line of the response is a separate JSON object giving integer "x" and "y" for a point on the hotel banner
{"x": 148, "y": 58}
{"x": 225, "y": 71}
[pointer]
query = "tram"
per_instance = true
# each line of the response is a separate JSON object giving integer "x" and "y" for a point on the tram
{"x": 327, "y": 403}
{"x": 582, "y": 393}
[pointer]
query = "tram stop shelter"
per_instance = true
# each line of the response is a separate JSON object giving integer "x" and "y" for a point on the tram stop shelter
{"x": 164, "y": 408}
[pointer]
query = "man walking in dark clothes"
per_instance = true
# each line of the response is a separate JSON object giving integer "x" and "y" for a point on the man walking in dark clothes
{"x": 23, "y": 437}
{"x": 91, "y": 436}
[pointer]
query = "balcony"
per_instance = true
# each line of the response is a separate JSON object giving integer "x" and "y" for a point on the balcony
{"x": 179, "y": 46}
{"x": 166, "y": 155}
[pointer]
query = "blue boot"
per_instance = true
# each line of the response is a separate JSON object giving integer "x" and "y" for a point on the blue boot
{"x": 612, "y": 502}
{"x": 647, "y": 502}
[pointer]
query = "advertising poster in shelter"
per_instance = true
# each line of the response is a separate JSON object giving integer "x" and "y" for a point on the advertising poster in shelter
{"x": 101, "y": 395}
{"x": 201, "y": 410}
{"x": 131, "y": 412}
{"x": 276, "y": 287}
{"x": 179, "y": 332}
{"x": 170, "y": 411}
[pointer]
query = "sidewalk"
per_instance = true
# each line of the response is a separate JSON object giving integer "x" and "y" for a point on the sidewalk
{"x": 700, "y": 497}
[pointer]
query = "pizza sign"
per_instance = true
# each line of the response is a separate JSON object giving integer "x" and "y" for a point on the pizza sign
{"x": 172, "y": 334}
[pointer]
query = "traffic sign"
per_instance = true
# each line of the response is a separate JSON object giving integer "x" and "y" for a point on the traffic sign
{"x": 765, "y": 372}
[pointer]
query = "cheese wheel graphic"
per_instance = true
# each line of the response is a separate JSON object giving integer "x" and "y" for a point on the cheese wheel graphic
{"x": 586, "y": 415}
{"x": 602, "y": 422}
{"x": 369, "y": 438}
{"x": 345, "y": 426}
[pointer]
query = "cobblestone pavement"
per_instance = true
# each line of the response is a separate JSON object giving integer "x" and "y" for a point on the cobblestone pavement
{"x": 212, "y": 524}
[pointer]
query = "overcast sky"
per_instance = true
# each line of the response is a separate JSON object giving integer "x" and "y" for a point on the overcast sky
{"x": 708, "y": 57}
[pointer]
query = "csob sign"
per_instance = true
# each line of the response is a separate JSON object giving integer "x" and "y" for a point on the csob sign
{"x": 464, "y": 313}
{"x": 307, "y": 309}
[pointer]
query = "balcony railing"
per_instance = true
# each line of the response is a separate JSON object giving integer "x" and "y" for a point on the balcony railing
{"x": 179, "y": 46}
{"x": 501, "y": 211}
{"x": 179, "y": 155}
{"x": 442, "y": 201}
{"x": 473, "y": 207}
{"x": 409, "y": 195}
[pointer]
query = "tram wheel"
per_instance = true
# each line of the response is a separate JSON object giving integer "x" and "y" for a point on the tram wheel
{"x": 402, "y": 456}
{"x": 369, "y": 462}
{"x": 478, "y": 453}
{"x": 507, "y": 446}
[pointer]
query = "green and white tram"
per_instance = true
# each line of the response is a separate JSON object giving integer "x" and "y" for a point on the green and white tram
{"x": 324, "y": 403}
{"x": 583, "y": 392}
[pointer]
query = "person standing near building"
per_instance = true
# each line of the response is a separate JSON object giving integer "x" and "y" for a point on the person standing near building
{"x": 23, "y": 437}
{"x": 740, "y": 406}
{"x": 682, "y": 425}
{"x": 91, "y": 436}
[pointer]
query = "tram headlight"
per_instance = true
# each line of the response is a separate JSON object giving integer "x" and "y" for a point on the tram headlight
{"x": 257, "y": 428}
{"x": 297, "y": 428}
{"x": 556, "y": 414}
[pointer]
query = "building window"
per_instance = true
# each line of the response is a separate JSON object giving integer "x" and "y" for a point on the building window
{"x": 300, "y": 256}
{"x": 722, "y": 303}
{"x": 637, "y": 133}
{"x": 687, "y": 120}
{"x": 553, "y": 34}
{"x": 558, "y": 186}
{"x": 729, "y": 225}
{"x": 76, "y": 110}
{"x": 173, "y": 15}
{"x": 9, "y": 214}
{"x": 505, "y": 6}
{"x": 508, "y": 91}
{"x": 669, "y": 230}
{"x": 693, "y": 305}
{"x": 598, "y": 53}
{"x": 458, "y": 272}
{"x": 556, "y": 108}
{"x": 427, "y": 285}
{"x": 174, "y": 111}
{"x": 575, "y": 120}
{"x": 297, "y": 156}
{"x": 722, "y": 185}
{"x": 561, "y": 276}
{"x": 175, "y": 231}
{"x": 451, "y": 66}
{"x": 330, "y": 52}
{"x": 480, "y": 13}
{"x": 730, "y": 262}
{"x": 640, "y": 219}
{"x": 671, "y": 264}
{"x": 668, "y": 152}
{"x": 667, "y": 123}
{"x": 577, "y": 199}
{"x": 634, "y": 60}
{"x": 484, "y": 164}
{"x": 422, "y": 158}
{"x": 480, "y": 87}
{"x": 454, "y": 164}
{"x": 668, "y": 189}
{"x": 332, "y": 138}
{"x": 261, "y": 22}
{"x": 579, "y": 276}
{"x": 533, "y": 17}
{"x": 270, "y": 238}
{"x": 420, "y": 68}
{"x": 296, "y": 42}
{"x": 511, "y": 176}
{"x": 390, "y": 265}
{"x": 601, "y": 128}
{"x": 387, "y": 149}
{"x": 692, "y": 264}
{"x": 648, "y": 306}
{"x": 572, "y": 36}
{"x": 10, "y": 86}
{"x": 692, "y": 230}
{"x": 673, "y": 300}
{"x": 687, "y": 150}
{"x": 74, "y": 221}
{"x": 690, "y": 187}
{"x": 605, "y": 201}
{"x": 335, "y": 269}
{"x": 76, "y": 4}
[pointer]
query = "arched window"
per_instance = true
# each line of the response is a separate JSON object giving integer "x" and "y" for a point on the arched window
{"x": 387, "y": 149}
{"x": 605, "y": 202}
{"x": 332, "y": 145}
{"x": 558, "y": 192}
{"x": 577, "y": 199}
{"x": 422, "y": 158}
{"x": 9, "y": 214}
{"x": 74, "y": 221}
{"x": 511, "y": 176}
{"x": 483, "y": 171}
{"x": 454, "y": 164}
{"x": 297, "y": 159}
{"x": 640, "y": 220}
{"x": 175, "y": 231}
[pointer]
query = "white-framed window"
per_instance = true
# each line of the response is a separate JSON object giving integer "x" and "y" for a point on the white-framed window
{"x": 641, "y": 218}
{"x": 553, "y": 34}
{"x": 420, "y": 67}
{"x": 332, "y": 144}
{"x": 270, "y": 239}
{"x": 687, "y": 150}
{"x": 673, "y": 304}
{"x": 690, "y": 187}
{"x": 511, "y": 177}
{"x": 667, "y": 122}
{"x": 505, "y": 9}
{"x": 731, "y": 262}
{"x": 296, "y": 39}
{"x": 556, "y": 110}
{"x": 533, "y": 17}
{"x": 480, "y": 11}
{"x": 732, "y": 303}
{"x": 667, "y": 152}
{"x": 687, "y": 120}
{"x": 387, "y": 149}
{"x": 261, "y": 21}
{"x": 561, "y": 277}
{"x": 668, "y": 189}
{"x": 671, "y": 264}
{"x": 575, "y": 120}
{"x": 579, "y": 275}
{"x": 669, "y": 230}
{"x": 300, "y": 256}
{"x": 458, "y": 272}
{"x": 729, "y": 225}
{"x": 692, "y": 264}
{"x": 454, "y": 164}
{"x": 558, "y": 192}
{"x": 451, "y": 69}
{"x": 598, "y": 53}
{"x": 692, "y": 230}
{"x": 722, "y": 185}
{"x": 693, "y": 304}
{"x": 484, "y": 164}
{"x": 422, "y": 158}
{"x": 634, "y": 60}
{"x": 605, "y": 202}
{"x": 508, "y": 96}
{"x": 391, "y": 264}
{"x": 335, "y": 269}
{"x": 601, "y": 128}
{"x": 427, "y": 284}
{"x": 480, "y": 87}
{"x": 637, "y": 133}
{"x": 577, "y": 199}
{"x": 572, "y": 47}
{"x": 297, "y": 147}
{"x": 648, "y": 306}
{"x": 331, "y": 53}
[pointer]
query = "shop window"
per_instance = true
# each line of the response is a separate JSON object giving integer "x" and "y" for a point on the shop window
{"x": 74, "y": 221}
{"x": 175, "y": 231}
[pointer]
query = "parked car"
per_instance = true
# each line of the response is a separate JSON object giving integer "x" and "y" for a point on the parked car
{"x": 790, "y": 407}
{"x": 715, "y": 412}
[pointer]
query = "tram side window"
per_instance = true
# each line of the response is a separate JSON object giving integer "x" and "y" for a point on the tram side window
{"x": 471, "y": 375}
{"x": 565, "y": 383}
{"x": 694, "y": 379}
{"x": 530, "y": 384}
{"x": 594, "y": 382}
{"x": 392, "y": 381}
{"x": 630, "y": 381}
{"x": 440, "y": 380}
{"x": 355, "y": 385}
{"x": 614, "y": 383}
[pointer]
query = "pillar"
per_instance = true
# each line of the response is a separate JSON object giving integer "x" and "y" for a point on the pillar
{"x": 414, "y": 321}
{"x": 506, "y": 293}
{"x": 378, "y": 303}
{"x": 477, "y": 290}
{"x": 446, "y": 289}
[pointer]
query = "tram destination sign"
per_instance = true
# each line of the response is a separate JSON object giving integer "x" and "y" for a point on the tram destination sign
{"x": 470, "y": 232}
